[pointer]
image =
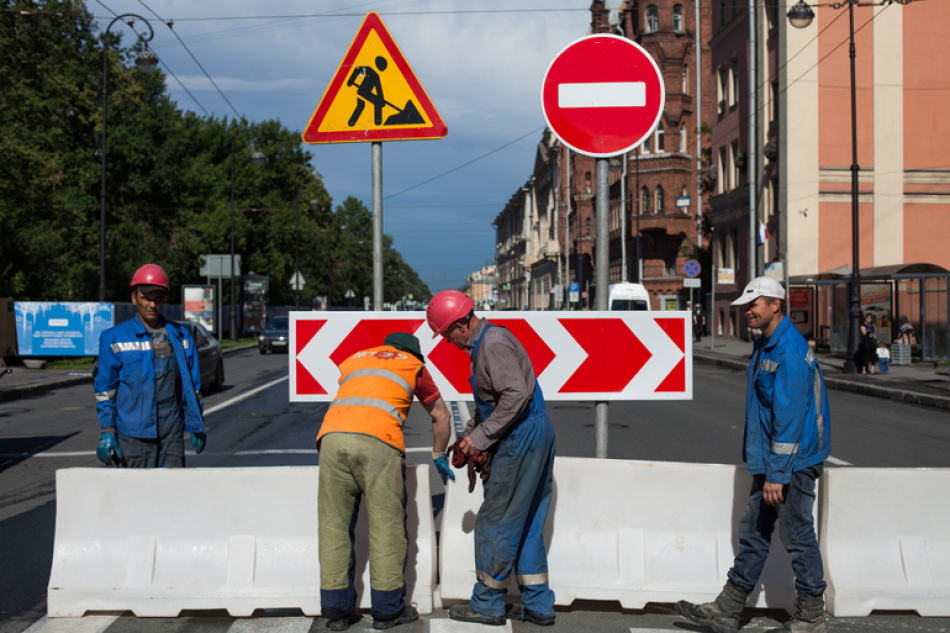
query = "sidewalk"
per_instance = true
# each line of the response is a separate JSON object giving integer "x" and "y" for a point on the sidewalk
{"x": 919, "y": 383}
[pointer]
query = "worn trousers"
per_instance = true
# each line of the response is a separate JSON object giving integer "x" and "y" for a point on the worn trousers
{"x": 354, "y": 465}
{"x": 796, "y": 527}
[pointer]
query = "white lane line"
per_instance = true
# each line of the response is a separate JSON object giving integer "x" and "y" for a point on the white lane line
{"x": 85, "y": 624}
{"x": 605, "y": 94}
{"x": 310, "y": 451}
{"x": 838, "y": 462}
{"x": 244, "y": 396}
{"x": 446, "y": 625}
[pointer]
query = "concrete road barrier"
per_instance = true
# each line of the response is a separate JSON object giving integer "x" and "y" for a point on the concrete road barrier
{"x": 156, "y": 542}
{"x": 630, "y": 531}
{"x": 885, "y": 539}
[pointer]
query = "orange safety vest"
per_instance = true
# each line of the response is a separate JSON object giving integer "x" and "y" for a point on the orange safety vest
{"x": 376, "y": 389}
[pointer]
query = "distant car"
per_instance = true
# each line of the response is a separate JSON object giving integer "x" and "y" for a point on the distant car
{"x": 210, "y": 359}
{"x": 276, "y": 336}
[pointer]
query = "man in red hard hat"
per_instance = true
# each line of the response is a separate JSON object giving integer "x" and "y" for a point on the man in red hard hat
{"x": 510, "y": 421}
{"x": 148, "y": 386}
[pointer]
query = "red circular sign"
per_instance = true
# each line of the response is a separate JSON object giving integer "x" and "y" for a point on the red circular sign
{"x": 603, "y": 95}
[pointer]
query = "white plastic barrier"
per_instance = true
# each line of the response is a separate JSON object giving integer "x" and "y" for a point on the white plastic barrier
{"x": 631, "y": 531}
{"x": 158, "y": 541}
{"x": 885, "y": 539}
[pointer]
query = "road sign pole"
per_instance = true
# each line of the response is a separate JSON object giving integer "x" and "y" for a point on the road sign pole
{"x": 377, "y": 226}
{"x": 603, "y": 279}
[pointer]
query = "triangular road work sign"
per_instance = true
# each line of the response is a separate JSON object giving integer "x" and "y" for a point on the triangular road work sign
{"x": 374, "y": 95}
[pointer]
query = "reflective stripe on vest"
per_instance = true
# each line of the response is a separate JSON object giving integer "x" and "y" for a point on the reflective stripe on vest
{"x": 812, "y": 361}
{"x": 133, "y": 346}
{"x": 376, "y": 391}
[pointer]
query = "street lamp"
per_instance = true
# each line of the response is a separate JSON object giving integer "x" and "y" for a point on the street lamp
{"x": 801, "y": 16}
{"x": 257, "y": 158}
{"x": 145, "y": 61}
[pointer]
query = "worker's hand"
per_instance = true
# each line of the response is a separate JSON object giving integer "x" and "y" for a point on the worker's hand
{"x": 442, "y": 465}
{"x": 108, "y": 446}
{"x": 198, "y": 441}
{"x": 772, "y": 493}
{"x": 466, "y": 446}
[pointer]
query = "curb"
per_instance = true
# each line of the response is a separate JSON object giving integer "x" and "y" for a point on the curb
{"x": 25, "y": 391}
{"x": 877, "y": 391}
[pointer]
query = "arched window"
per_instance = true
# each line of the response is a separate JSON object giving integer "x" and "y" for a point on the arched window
{"x": 683, "y": 139}
{"x": 645, "y": 146}
{"x": 587, "y": 227}
{"x": 685, "y": 87}
{"x": 653, "y": 19}
{"x": 660, "y": 142}
{"x": 659, "y": 199}
{"x": 678, "y": 18}
{"x": 645, "y": 200}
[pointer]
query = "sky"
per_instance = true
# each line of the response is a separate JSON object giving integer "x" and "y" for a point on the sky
{"x": 481, "y": 64}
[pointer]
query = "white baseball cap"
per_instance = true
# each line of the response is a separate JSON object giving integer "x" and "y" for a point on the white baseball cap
{"x": 760, "y": 287}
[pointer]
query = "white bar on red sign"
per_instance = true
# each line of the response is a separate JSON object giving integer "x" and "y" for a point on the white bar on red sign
{"x": 607, "y": 94}
{"x": 581, "y": 355}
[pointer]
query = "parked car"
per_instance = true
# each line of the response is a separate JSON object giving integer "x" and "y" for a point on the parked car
{"x": 276, "y": 336}
{"x": 210, "y": 359}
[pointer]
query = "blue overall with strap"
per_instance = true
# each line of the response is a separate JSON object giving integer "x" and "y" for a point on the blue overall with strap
{"x": 508, "y": 529}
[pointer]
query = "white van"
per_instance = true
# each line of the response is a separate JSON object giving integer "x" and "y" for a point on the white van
{"x": 627, "y": 296}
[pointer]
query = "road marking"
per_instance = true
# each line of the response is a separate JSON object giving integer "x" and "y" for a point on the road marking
{"x": 603, "y": 94}
{"x": 310, "y": 451}
{"x": 838, "y": 462}
{"x": 244, "y": 396}
{"x": 440, "y": 625}
{"x": 85, "y": 624}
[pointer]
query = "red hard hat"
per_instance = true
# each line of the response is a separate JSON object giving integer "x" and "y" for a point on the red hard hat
{"x": 150, "y": 275}
{"x": 446, "y": 308}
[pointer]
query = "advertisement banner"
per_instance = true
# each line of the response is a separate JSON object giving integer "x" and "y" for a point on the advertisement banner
{"x": 199, "y": 304}
{"x": 61, "y": 329}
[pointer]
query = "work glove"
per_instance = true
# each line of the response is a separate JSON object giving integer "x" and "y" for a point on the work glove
{"x": 442, "y": 465}
{"x": 108, "y": 449}
{"x": 198, "y": 441}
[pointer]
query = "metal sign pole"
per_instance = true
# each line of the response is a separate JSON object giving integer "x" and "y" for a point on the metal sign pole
{"x": 377, "y": 226}
{"x": 602, "y": 278}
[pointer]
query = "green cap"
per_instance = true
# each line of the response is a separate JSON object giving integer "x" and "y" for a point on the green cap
{"x": 405, "y": 342}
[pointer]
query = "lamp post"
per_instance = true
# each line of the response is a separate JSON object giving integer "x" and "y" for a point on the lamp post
{"x": 800, "y": 16}
{"x": 145, "y": 61}
{"x": 257, "y": 158}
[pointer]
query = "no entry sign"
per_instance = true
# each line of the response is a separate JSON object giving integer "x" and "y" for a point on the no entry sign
{"x": 576, "y": 355}
{"x": 603, "y": 95}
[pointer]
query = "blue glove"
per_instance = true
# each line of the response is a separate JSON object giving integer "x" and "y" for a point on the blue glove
{"x": 198, "y": 441}
{"x": 442, "y": 465}
{"x": 108, "y": 446}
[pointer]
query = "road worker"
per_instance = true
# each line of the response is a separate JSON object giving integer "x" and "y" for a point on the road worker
{"x": 510, "y": 421}
{"x": 363, "y": 453}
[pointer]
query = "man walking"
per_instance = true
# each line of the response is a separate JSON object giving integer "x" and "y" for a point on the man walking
{"x": 362, "y": 453}
{"x": 787, "y": 439}
{"x": 511, "y": 422}
{"x": 148, "y": 385}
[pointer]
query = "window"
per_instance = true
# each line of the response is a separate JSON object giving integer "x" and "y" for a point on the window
{"x": 645, "y": 147}
{"x": 722, "y": 172}
{"x": 685, "y": 87}
{"x": 659, "y": 199}
{"x": 734, "y": 93}
{"x": 734, "y": 164}
{"x": 678, "y": 18}
{"x": 587, "y": 182}
{"x": 644, "y": 200}
{"x": 723, "y": 90}
{"x": 773, "y": 95}
{"x": 683, "y": 139}
{"x": 587, "y": 227}
{"x": 660, "y": 142}
{"x": 653, "y": 19}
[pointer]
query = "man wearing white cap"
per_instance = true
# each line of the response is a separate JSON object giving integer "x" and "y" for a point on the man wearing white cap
{"x": 787, "y": 439}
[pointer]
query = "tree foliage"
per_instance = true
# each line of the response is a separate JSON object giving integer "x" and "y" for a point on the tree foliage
{"x": 169, "y": 178}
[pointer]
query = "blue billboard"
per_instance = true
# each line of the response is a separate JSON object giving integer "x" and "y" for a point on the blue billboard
{"x": 60, "y": 329}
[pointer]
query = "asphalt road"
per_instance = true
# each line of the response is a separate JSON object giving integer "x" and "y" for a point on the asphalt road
{"x": 59, "y": 430}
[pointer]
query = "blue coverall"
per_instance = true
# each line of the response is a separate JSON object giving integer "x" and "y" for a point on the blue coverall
{"x": 508, "y": 529}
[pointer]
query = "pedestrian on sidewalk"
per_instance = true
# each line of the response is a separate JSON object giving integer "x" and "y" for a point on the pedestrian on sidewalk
{"x": 787, "y": 439}
{"x": 867, "y": 352}
{"x": 148, "y": 383}
{"x": 511, "y": 422}
{"x": 363, "y": 453}
{"x": 699, "y": 322}
{"x": 883, "y": 357}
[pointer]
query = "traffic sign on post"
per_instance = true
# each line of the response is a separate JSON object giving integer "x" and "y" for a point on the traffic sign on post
{"x": 603, "y": 95}
{"x": 692, "y": 268}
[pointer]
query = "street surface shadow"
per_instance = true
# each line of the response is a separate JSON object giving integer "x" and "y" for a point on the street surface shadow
{"x": 17, "y": 449}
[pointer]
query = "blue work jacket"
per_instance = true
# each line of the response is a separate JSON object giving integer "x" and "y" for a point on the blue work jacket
{"x": 125, "y": 383}
{"x": 787, "y": 419}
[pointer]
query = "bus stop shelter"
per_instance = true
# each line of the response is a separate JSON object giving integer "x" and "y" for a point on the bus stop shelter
{"x": 915, "y": 294}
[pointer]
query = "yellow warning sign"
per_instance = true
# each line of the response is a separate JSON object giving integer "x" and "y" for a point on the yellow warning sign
{"x": 374, "y": 95}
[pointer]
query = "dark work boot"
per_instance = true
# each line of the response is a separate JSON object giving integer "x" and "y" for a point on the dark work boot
{"x": 809, "y": 616}
{"x": 722, "y": 614}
